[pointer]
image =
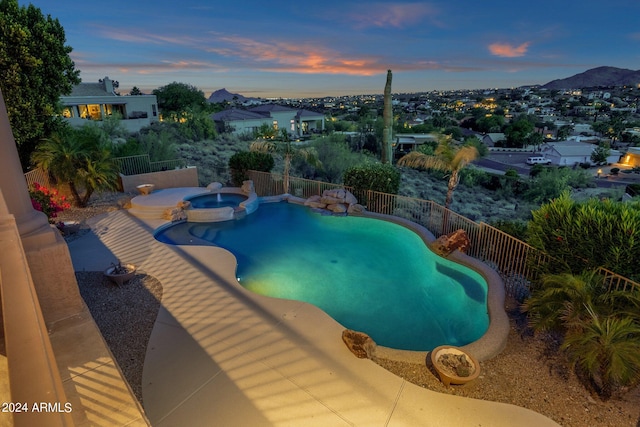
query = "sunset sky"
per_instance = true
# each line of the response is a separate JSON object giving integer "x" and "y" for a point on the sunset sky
{"x": 320, "y": 48}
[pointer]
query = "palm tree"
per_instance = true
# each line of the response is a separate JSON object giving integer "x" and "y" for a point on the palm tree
{"x": 82, "y": 162}
{"x": 607, "y": 349}
{"x": 448, "y": 157}
{"x": 562, "y": 301}
{"x": 601, "y": 327}
{"x": 288, "y": 151}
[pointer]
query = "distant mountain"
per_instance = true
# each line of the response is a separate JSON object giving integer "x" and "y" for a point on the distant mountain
{"x": 222, "y": 95}
{"x": 601, "y": 76}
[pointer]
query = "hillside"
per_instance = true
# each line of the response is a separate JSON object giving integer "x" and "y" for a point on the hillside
{"x": 600, "y": 76}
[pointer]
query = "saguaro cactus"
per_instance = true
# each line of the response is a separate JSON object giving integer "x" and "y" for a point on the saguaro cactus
{"x": 387, "y": 117}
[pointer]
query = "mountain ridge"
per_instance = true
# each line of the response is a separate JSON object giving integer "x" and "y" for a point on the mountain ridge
{"x": 596, "y": 77}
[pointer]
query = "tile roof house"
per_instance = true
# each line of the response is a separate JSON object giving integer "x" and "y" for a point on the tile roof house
{"x": 94, "y": 101}
{"x": 298, "y": 123}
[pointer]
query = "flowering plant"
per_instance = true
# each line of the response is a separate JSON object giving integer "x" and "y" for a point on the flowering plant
{"x": 48, "y": 201}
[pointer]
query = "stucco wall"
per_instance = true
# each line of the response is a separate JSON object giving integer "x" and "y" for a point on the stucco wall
{"x": 187, "y": 177}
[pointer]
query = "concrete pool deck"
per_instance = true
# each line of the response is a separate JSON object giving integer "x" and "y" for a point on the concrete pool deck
{"x": 221, "y": 355}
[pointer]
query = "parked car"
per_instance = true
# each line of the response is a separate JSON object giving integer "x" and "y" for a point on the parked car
{"x": 538, "y": 161}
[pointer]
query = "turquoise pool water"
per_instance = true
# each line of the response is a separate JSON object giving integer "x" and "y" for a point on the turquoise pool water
{"x": 369, "y": 275}
{"x": 216, "y": 200}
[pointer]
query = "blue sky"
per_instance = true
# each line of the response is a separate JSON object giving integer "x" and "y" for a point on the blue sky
{"x": 304, "y": 49}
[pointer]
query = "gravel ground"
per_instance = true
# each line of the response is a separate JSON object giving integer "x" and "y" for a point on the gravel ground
{"x": 529, "y": 372}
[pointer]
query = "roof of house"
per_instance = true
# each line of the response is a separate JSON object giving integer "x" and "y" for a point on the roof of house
{"x": 307, "y": 113}
{"x": 567, "y": 149}
{"x": 235, "y": 114}
{"x": 271, "y": 108}
{"x": 90, "y": 89}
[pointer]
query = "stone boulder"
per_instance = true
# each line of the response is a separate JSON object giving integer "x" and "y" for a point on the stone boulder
{"x": 247, "y": 187}
{"x": 359, "y": 344}
{"x": 448, "y": 243}
{"x": 337, "y": 208}
{"x": 178, "y": 213}
{"x": 214, "y": 186}
{"x": 336, "y": 201}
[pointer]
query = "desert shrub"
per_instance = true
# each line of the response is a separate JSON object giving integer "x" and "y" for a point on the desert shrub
{"x": 517, "y": 229}
{"x": 130, "y": 147}
{"x": 512, "y": 173}
{"x": 579, "y": 179}
{"x": 549, "y": 184}
{"x": 335, "y": 157}
{"x": 614, "y": 171}
{"x": 536, "y": 170}
{"x": 159, "y": 145}
{"x": 243, "y": 161}
{"x": 373, "y": 176}
{"x": 590, "y": 234}
{"x": 471, "y": 177}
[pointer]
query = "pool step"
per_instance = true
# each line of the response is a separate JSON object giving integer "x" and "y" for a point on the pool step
{"x": 147, "y": 212}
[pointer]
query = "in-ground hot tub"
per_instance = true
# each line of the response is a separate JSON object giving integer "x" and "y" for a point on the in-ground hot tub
{"x": 221, "y": 204}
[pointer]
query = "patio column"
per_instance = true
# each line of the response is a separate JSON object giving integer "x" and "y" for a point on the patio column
{"x": 13, "y": 183}
{"x": 46, "y": 251}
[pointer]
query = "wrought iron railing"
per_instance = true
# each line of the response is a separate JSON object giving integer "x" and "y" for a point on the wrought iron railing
{"x": 135, "y": 165}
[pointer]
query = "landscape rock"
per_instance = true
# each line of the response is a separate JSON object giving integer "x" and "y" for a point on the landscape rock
{"x": 247, "y": 187}
{"x": 214, "y": 186}
{"x": 355, "y": 208}
{"x": 359, "y": 344}
{"x": 337, "y": 208}
{"x": 448, "y": 243}
{"x": 336, "y": 201}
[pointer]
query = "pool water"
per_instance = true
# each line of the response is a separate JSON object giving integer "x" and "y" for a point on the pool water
{"x": 370, "y": 275}
{"x": 217, "y": 200}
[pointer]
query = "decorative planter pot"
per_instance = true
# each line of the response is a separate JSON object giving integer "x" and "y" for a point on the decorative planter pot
{"x": 145, "y": 189}
{"x": 449, "y": 375}
{"x": 120, "y": 277}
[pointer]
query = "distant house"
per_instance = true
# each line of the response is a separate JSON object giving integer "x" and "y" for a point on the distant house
{"x": 490, "y": 139}
{"x": 95, "y": 101}
{"x": 569, "y": 153}
{"x": 298, "y": 123}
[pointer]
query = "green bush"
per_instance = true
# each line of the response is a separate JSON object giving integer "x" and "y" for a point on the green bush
{"x": 517, "y": 229}
{"x": 244, "y": 161}
{"x": 586, "y": 235}
{"x": 551, "y": 182}
{"x": 373, "y": 176}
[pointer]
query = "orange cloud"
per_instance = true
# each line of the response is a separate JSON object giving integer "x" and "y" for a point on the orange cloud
{"x": 507, "y": 50}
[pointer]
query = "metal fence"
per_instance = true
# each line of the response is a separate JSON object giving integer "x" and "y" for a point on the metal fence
{"x": 519, "y": 264}
{"x": 37, "y": 176}
{"x": 135, "y": 165}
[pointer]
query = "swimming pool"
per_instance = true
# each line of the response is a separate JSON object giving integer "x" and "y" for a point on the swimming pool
{"x": 373, "y": 276}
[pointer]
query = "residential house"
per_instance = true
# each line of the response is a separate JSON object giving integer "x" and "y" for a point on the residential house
{"x": 298, "y": 122}
{"x": 95, "y": 101}
{"x": 490, "y": 139}
{"x": 570, "y": 153}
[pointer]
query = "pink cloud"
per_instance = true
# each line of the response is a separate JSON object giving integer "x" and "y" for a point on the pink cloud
{"x": 395, "y": 15}
{"x": 507, "y": 50}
